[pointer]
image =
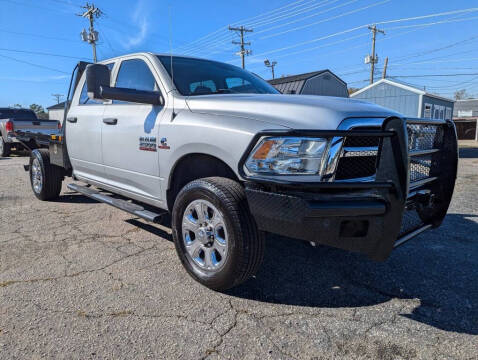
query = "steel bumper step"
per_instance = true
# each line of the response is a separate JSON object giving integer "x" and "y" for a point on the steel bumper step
{"x": 124, "y": 205}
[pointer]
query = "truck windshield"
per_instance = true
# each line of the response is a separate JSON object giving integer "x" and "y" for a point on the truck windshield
{"x": 23, "y": 114}
{"x": 204, "y": 77}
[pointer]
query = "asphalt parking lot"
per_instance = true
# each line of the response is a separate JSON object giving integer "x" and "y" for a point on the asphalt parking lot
{"x": 79, "y": 279}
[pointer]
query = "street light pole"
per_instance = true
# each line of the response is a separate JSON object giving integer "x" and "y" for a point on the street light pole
{"x": 271, "y": 65}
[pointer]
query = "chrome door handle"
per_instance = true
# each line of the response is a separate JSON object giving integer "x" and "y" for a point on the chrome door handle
{"x": 72, "y": 119}
{"x": 110, "y": 121}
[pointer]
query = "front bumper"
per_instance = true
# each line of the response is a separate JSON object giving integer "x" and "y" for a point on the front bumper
{"x": 366, "y": 217}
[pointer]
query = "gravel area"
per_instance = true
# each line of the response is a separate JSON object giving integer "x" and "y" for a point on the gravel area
{"x": 82, "y": 280}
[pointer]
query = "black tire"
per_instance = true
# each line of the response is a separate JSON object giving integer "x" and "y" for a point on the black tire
{"x": 245, "y": 242}
{"x": 4, "y": 147}
{"x": 51, "y": 175}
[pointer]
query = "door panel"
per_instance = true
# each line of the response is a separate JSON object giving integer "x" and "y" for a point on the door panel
{"x": 84, "y": 138}
{"x": 130, "y": 135}
{"x": 130, "y": 148}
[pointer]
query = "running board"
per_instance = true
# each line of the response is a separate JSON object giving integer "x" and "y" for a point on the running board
{"x": 411, "y": 235}
{"x": 124, "y": 205}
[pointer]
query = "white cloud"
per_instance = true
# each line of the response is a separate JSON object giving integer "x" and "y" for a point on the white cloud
{"x": 141, "y": 21}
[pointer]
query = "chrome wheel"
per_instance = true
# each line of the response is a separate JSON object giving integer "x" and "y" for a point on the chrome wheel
{"x": 1, "y": 146}
{"x": 205, "y": 235}
{"x": 37, "y": 178}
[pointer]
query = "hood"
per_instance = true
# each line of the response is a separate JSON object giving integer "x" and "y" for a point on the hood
{"x": 292, "y": 111}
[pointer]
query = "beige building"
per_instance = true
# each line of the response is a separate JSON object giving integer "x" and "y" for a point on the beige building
{"x": 56, "y": 112}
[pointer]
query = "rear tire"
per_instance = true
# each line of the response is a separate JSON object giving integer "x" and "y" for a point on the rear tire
{"x": 4, "y": 148}
{"x": 46, "y": 179}
{"x": 226, "y": 214}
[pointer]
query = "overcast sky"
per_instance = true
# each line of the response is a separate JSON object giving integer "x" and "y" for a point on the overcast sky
{"x": 40, "y": 40}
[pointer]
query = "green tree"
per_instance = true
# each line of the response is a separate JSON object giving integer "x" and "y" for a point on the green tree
{"x": 39, "y": 111}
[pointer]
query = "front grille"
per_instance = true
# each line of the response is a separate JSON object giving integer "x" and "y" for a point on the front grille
{"x": 359, "y": 158}
{"x": 424, "y": 143}
{"x": 362, "y": 141}
{"x": 420, "y": 167}
{"x": 424, "y": 137}
{"x": 356, "y": 167}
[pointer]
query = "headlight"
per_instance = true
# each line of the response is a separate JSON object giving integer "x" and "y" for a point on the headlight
{"x": 287, "y": 156}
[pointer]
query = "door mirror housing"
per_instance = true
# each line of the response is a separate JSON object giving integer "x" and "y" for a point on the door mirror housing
{"x": 97, "y": 76}
{"x": 98, "y": 88}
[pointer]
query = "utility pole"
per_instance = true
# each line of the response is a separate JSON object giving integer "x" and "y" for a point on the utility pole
{"x": 373, "y": 59}
{"x": 57, "y": 97}
{"x": 91, "y": 12}
{"x": 384, "y": 75}
{"x": 243, "y": 52}
{"x": 270, "y": 65}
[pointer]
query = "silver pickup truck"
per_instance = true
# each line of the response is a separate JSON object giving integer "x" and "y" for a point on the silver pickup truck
{"x": 232, "y": 159}
{"x": 26, "y": 121}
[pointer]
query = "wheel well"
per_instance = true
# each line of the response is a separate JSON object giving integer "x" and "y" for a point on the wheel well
{"x": 192, "y": 167}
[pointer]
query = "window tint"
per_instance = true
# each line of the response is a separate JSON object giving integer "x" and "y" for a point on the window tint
{"x": 17, "y": 114}
{"x": 237, "y": 84}
{"x": 206, "y": 86}
{"x": 84, "y": 99}
{"x": 135, "y": 74}
{"x": 194, "y": 77}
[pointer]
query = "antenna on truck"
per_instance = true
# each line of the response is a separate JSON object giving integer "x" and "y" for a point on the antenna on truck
{"x": 173, "y": 115}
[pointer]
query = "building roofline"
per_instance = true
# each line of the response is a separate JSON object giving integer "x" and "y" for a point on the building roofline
{"x": 297, "y": 77}
{"x": 400, "y": 85}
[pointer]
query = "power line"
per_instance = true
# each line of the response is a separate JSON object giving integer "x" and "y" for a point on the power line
{"x": 327, "y": 19}
{"x": 220, "y": 38}
{"x": 288, "y": 14}
{"x": 35, "y": 35}
{"x": 44, "y": 53}
{"x": 363, "y": 27}
{"x": 434, "y": 75}
{"x": 302, "y": 18}
{"x": 454, "y": 12}
{"x": 57, "y": 97}
{"x": 33, "y": 64}
{"x": 214, "y": 34}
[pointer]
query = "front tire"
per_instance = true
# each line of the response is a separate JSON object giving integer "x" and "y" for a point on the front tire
{"x": 215, "y": 235}
{"x": 4, "y": 147}
{"x": 45, "y": 178}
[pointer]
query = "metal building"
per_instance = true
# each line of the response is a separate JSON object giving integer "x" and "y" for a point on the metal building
{"x": 323, "y": 82}
{"x": 465, "y": 117}
{"x": 407, "y": 100}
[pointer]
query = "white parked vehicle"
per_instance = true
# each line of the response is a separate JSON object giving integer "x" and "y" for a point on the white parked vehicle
{"x": 231, "y": 158}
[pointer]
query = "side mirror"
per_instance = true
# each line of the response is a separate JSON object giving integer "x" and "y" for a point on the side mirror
{"x": 97, "y": 76}
{"x": 98, "y": 87}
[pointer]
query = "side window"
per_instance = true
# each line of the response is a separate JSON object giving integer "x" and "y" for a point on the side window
{"x": 428, "y": 111}
{"x": 135, "y": 74}
{"x": 84, "y": 99}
